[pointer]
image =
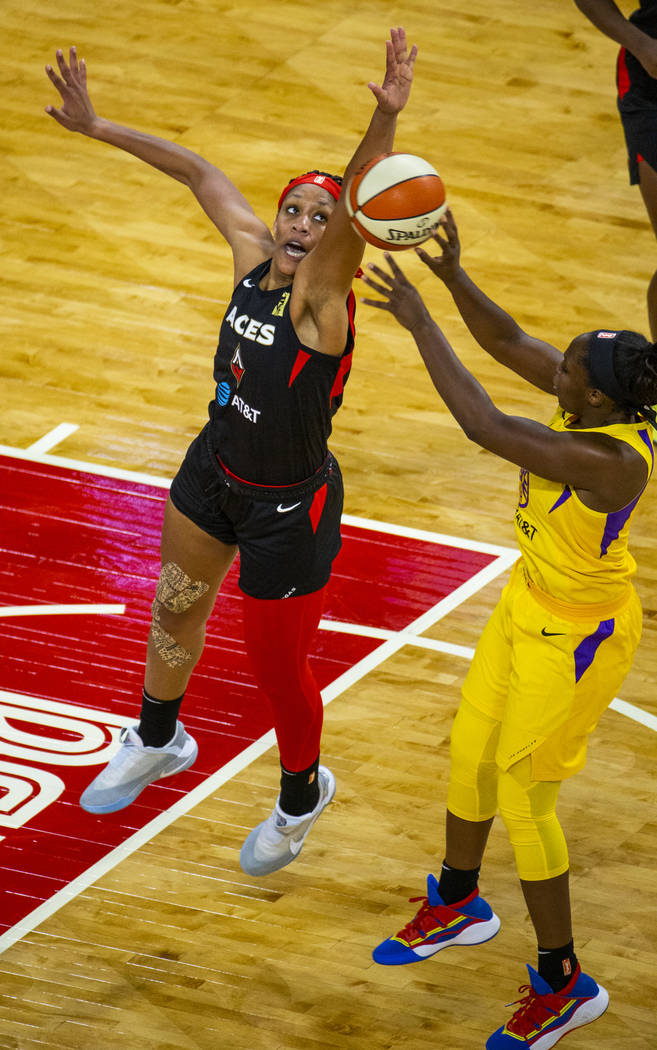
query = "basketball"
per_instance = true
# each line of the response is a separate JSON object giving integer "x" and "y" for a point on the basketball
{"x": 395, "y": 201}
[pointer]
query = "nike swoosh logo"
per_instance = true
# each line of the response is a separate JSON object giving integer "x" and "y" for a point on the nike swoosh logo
{"x": 553, "y": 634}
{"x": 283, "y": 510}
{"x": 248, "y": 283}
{"x": 295, "y": 846}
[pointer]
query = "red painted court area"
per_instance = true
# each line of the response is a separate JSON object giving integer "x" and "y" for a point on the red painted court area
{"x": 67, "y": 681}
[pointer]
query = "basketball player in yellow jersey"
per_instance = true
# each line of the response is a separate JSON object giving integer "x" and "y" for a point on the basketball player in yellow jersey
{"x": 561, "y": 639}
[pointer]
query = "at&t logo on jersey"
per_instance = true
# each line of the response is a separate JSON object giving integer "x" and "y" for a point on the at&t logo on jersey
{"x": 225, "y": 395}
{"x": 525, "y": 526}
{"x": 252, "y": 414}
{"x": 245, "y": 326}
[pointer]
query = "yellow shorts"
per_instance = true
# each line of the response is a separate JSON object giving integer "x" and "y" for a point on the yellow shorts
{"x": 547, "y": 678}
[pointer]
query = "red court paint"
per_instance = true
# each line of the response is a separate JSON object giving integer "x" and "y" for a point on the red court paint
{"x": 72, "y": 537}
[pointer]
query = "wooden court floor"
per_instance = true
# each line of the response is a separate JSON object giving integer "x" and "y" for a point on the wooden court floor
{"x": 113, "y": 286}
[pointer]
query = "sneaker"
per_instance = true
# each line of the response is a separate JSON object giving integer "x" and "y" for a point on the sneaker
{"x": 438, "y": 925}
{"x": 134, "y": 766}
{"x": 278, "y": 839}
{"x": 544, "y": 1016}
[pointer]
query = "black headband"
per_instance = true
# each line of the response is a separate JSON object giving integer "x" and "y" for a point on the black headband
{"x": 601, "y": 365}
{"x": 601, "y": 368}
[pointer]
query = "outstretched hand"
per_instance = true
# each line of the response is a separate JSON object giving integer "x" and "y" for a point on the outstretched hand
{"x": 393, "y": 94}
{"x": 402, "y": 298}
{"x": 446, "y": 265}
{"x": 76, "y": 113}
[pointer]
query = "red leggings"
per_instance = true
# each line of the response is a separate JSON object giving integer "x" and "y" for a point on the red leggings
{"x": 278, "y": 638}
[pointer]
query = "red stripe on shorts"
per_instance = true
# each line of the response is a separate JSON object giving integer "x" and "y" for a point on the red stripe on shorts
{"x": 622, "y": 76}
{"x": 317, "y": 506}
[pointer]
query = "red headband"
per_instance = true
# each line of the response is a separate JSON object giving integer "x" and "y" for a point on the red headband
{"x": 325, "y": 181}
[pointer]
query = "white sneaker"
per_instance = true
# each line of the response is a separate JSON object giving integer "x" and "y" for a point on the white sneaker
{"x": 278, "y": 839}
{"x": 134, "y": 766}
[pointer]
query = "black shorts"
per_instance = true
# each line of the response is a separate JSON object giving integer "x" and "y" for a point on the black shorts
{"x": 637, "y": 106}
{"x": 640, "y": 127}
{"x": 287, "y": 537}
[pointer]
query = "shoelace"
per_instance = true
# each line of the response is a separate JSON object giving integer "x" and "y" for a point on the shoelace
{"x": 533, "y": 1010}
{"x": 426, "y": 919}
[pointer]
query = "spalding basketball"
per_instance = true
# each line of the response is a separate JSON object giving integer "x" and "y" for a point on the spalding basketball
{"x": 396, "y": 200}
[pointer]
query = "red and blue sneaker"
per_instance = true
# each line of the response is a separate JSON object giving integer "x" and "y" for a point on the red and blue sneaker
{"x": 438, "y": 925}
{"x": 544, "y": 1016}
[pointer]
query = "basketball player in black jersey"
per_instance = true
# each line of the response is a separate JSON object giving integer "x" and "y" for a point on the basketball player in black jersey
{"x": 259, "y": 478}
{"x": 636, "y": 82}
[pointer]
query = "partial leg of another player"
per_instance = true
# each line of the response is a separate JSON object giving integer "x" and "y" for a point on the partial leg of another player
{"x": 194, "y": 566}
{"x": 648, "y": 187}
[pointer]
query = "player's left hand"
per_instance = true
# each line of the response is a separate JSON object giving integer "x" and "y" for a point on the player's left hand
{"x": 402, "y": 298}
{"x": 393, "y": 94}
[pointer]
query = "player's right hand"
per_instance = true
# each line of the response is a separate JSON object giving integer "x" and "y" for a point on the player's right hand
{"x": 76, "y": 112}
{"x": 447, "y": 264}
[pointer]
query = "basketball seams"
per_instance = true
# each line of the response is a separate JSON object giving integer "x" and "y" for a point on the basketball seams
{"x": 390, "y": 170}
{"x": 396, "y": 200}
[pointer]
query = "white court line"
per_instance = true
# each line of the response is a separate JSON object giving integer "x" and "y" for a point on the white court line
{"x": 140, "y": 838}
{"x": 140, "y": 478}
{"x": 41, "y": 456}
{"x": 48, "y": 441}
{"x": 637, "y": 714}
{"x": 395, "y": 641}
{"x": 409, "y": 639}
{"x": 64, "y": 707}
{"x": 391, "y": 645}
{"x": 60, "y": 610}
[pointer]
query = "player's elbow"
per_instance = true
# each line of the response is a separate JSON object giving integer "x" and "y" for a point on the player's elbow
{"x": 482, "y": 425}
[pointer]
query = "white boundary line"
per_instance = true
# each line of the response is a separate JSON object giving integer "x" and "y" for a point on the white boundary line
{"x": 140, "y": 838}
{"x": 61, "y": 610}
{"x": 156, "y": 481}
{"x": 52, "y": 438}
{"x": 392, "y": 642}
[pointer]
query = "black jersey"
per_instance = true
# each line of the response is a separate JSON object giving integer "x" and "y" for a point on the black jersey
{"x": 646, "y": 17}
{"x": 271, "y": 416}
{"x": 636, "y": 88}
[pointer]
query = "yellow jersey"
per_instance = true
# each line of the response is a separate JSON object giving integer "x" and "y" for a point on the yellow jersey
{"x": 572, "y": 554}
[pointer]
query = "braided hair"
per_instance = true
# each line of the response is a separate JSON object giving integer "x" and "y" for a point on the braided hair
{"x": 315, "y": 171}
{"x": 634, "y": 364}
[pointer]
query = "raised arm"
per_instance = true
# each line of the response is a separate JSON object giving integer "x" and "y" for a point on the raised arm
{"x": 330, "y": 267}
{"x": 610, "y": 20}
{"x": 494, "y": 329}
{"x": 222, "y": 202}
{"x": 607, "y": 469}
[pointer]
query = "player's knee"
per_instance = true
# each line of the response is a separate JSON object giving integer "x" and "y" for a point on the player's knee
{"x": 472, "y": 792}
{"x": 176, "y": 591}
{"x": 528, "y": 809}
{"x": 473, "y": 740}
{"x": 171, "y": 652}
{"x": 176, "y": 595}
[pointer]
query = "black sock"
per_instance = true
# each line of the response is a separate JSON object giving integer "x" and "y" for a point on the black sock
{"x": 299, "y": 791}
{"x": 158, "y": 720}
{"x": 456, "y": 884}
{"x": 557, "y": 965}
